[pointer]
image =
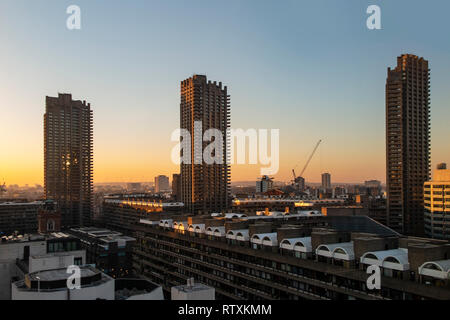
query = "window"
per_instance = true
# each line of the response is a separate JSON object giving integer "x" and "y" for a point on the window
{"x": 50, "y": 225}
{"x": 78, "y": 261}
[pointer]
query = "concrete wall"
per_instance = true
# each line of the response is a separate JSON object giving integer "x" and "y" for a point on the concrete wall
{"x": 214, "y": 223}
{"x": 345, "y": 211}
{"x": 325, "y": 237}
{"x": 236, "y": 225}
{"x": 55, "y": 262}
{"x": 9, "y": 252}
{"x": 419, "y": 254}
{"x": 259, "y": 228}
{"x": 367, "y": 244}
{"x": 286, "y": 233}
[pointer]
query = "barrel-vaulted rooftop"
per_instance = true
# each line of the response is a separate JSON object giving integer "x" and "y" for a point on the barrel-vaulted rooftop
{"x": 395, "y": 259}
{"x": 436, "y": 269}
{"x": 341, "y": 251}
{"x": 297, "y": 244}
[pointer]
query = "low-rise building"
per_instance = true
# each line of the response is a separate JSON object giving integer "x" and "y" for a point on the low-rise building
{"x": 264, "y": 185}
{"x": 252, "y": 205}
{"x": 122, "y": 214}
{"x": 52, "y": 285}
{"x": 21, "y": 255}
{"x": 291, "y": 258}
{"x": 20, "y": 217}
{"x": 110, "y": 251}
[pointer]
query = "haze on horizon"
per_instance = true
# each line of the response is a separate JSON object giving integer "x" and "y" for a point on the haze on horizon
{"x": 311, "y": 69}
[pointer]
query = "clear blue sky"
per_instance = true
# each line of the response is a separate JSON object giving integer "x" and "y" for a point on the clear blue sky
{"x": 310, "y": 68}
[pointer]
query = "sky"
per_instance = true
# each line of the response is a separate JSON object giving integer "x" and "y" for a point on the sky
{"x": 309, "y": 68}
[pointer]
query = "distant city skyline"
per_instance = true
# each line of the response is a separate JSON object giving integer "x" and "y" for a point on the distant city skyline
{"x": 312, "y": 69}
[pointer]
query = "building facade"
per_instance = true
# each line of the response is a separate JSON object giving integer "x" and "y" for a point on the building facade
{"x": 176, "y": 187}
{"x": 264, "y": 185}
{"x": 68, "y": 163}
{"x": 437, "y": 204}
{"x": 373, "y": 187}
{"x": 19, "y": 216}
{"x": 290, "y": 259}
{"x": 161, "y": 184}
{"x": 204, "y": 105}
{"x": 22, "y": 254}
{"x": 109, "y": 251}
{"x": 124, "y": 214}
{"x": 326, "y": 181}
{"x": 51, "y": 285}
{"x": 407, "y": 142}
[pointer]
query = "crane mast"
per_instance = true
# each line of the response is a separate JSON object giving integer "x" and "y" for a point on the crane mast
{"x": 310, "y": 158}
{"x": 307, "y": 162}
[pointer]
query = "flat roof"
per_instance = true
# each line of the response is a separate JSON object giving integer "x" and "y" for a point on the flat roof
{"x": 34, "y": 203}
{"x": 60, "y": 274}
{"x": 22, "y": 238}
{"x": 195, "y": 287}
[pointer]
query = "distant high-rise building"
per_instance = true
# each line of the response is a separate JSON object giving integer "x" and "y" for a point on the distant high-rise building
{"x": 176, "y": 187}
{"x": 68, "y": 158}
{"x": 161, "y": 184}
{"x": 326, "y": 181}
{"x": 373, "y": 187}
{"x": 407, "y": 142}
{"x": 264, "y": 185}
{"x": 205, "y": 187}
{"x": 372, "y": 184}
{"x": 437, "y": 204}
{"x": 300, "y": 183}
{"x": 134, "y": 187}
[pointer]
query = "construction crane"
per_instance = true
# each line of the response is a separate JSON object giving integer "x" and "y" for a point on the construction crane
{"x": 307, "y": 163}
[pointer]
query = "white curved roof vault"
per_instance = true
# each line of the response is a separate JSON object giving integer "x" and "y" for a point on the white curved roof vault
{"x": 216, "y": 231}
{"x": 235, "y": 215}
{"x": 231, "y": 234}
{"x": 297, "y": 244}
{"x": 267, "y": 239}
{"x": 180, "y": 225}
{"x": 384, "y": 259}
{"x": 166, "y": 223}
{"x": 241, "y": 235}
{"x": 198, "y": 228}
{"x": 436, "y": 269}
{"x": 341, "y": 251}
{"x": 219, "y": 231}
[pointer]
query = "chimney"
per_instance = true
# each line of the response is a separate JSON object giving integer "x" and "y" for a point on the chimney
{"x": 190, "y": 282}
